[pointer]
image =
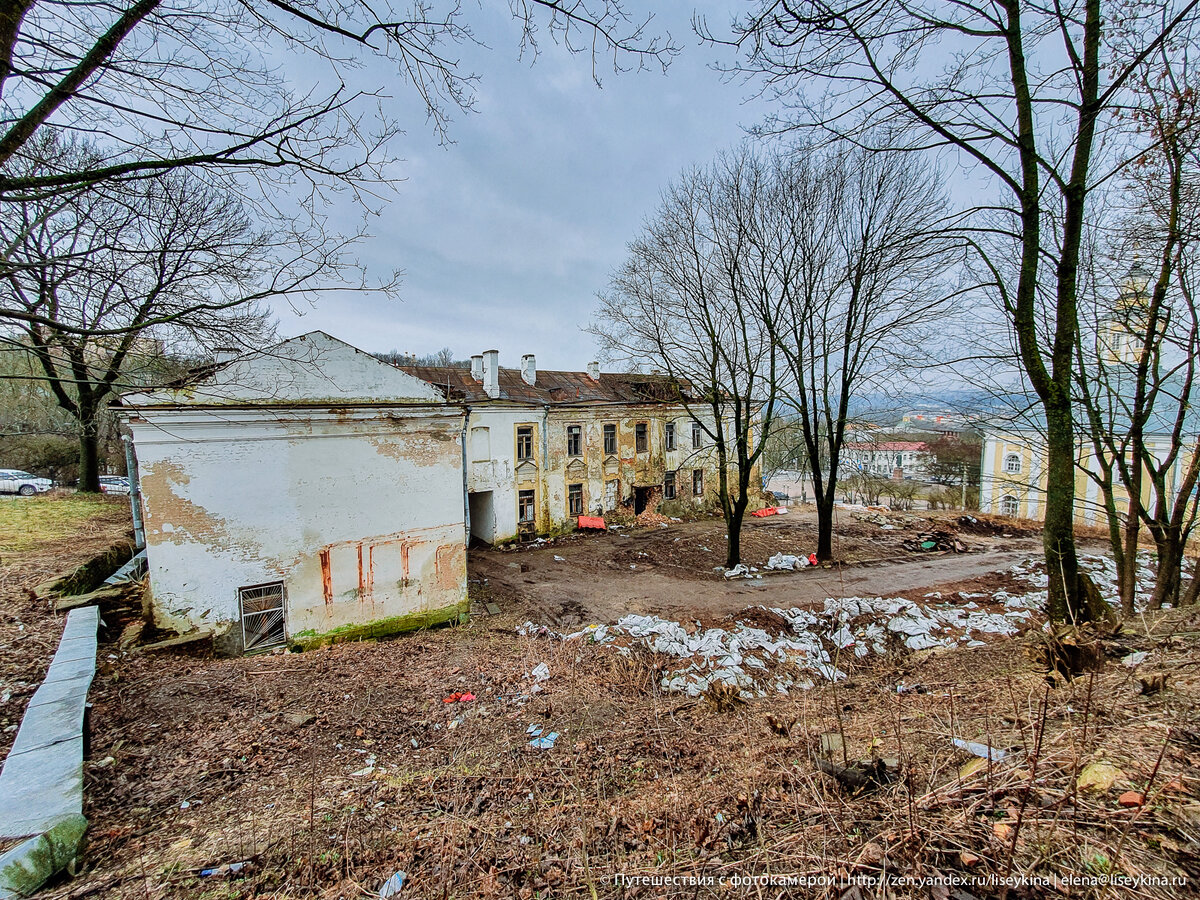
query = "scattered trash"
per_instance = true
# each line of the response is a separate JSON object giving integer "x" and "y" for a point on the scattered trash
{"x": 223, "y": 870}
{"x": 981, "y": 750}
{"x": 1135, "y": 659}
{"x": 936, "y": 540}
{"x": 787, "y": 561}
{"x": 770, "y": 511}
{"x": 540, "y": 673}
{"x": 741, "y": 570}
{"x": 559, "y": 559}
{"x": 541, "y": 741}
{"x": 459, "y": 697}
{"x": 392, "y": 886}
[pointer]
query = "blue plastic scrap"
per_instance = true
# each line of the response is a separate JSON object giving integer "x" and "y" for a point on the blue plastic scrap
{"x": 541, "y": 741}
{"x": 392, "y": 886}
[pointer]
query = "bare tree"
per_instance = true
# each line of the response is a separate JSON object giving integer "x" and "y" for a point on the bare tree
{"x": 708, "y": 269}
{"x": 1136, "y": 374}
{"x": 99, "y": 281}
{"x": 1022, "y": 98}
{"x": 865, "y": 287}
{"x": 182, "y": 83}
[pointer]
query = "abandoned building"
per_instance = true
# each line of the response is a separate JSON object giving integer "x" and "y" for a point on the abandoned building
{"x": 544, "y": 448}
{"x": 310, "y": 492}
{"x": 300, "y": 493}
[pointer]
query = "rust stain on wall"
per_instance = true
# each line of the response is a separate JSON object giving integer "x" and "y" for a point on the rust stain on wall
{"x": 448, "y": 562}
{"x": 326, "y": 576}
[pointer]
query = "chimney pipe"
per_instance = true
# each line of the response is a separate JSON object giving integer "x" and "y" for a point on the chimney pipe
{"x": 477, "y": 367}
{"x": 491, "y": 373}
{"x": 529, "y": 369}
{"x": 593, "y": 370}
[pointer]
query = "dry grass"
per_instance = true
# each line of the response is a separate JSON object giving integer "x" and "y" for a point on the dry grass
{"x": 47, "y": 520}
{"x": 639, "y": 783}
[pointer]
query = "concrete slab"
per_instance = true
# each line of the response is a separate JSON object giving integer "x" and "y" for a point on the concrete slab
{"x": 50, "y": 691}
{"x": 70, "y": 669}
{"x": 82, "y": 623}
{"x": 50, "y": 723}
{"x": 75, "y": 648}
{"x": 39, "y": 788}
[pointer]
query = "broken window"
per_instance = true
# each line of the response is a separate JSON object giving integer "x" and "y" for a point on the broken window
{"x": 525, "y": 513}
{"x": 669, "y": 486}
{"x": 524, "y": 442}
{"x": 262, "y": 616}
{"x": 697, "y": 482}
{"x": 1008, "y": 505}
{"x": 575, "y": 499}
{"x": 612, "y": 490}
{"x": 641, "y": 440}
{"x": 697, "y": 436}
{"x": 670, "y": 436}
{"x": 574, "y": 440}
{"x": 610, "y": 440}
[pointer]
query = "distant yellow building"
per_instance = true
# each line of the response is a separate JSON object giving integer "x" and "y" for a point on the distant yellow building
{"x": 1013, "y": 468}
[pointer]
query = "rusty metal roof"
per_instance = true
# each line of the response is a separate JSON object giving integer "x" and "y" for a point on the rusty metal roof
{"x": 553, "y": 387}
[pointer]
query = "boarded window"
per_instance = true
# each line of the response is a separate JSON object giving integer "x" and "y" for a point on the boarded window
{"x": 670, "y": 436}
{"x": 262, "y": 616}
{"x": 669, "y": 486}
{"x": 574, "y": 440}
{"x": 525, "y": 507}
{"x": 481, "y": 444}
{"x": 524, "y": 442}
{"x": 610, "y": 440}
{"x": 697, "y": 482}
{"x": 697, "y": 436}
{"x": 1008, "y": 505}
{"x": 612, "y": 490}
{"x": 575, "y": 499}
{"x": 641, "y": 440}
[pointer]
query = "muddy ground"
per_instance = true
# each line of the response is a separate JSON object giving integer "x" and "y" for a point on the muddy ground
{"x": 322, "y": 774}
{"x": 668, "y": 570}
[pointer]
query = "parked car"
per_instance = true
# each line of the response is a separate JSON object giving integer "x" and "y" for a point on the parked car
{"x": 15, "y": 481}
{"x": 114, "y": 484}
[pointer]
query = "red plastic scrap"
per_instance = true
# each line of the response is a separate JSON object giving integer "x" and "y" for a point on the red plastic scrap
{"x": 593, "y": 522}
{"x": 459, "y": 697}
{"x": 812, "y": 559}
{"x": 767, "y": 511}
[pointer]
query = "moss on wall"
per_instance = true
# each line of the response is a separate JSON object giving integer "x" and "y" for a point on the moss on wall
{"x": 455, "y": 614}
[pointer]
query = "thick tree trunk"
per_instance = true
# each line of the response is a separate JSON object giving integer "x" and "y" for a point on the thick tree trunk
{"x": 1058, "y": 534}
{"x": 825, "y": 527}
{"x": 89, "y": 458}
{"x": 733, "y": 530}
{"x": 1193, "y": 592}
{"x": 1127, "y": 564}
{"x": 1170, "y": 569}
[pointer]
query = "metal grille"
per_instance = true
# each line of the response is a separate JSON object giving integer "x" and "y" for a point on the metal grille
{"x": 262, "y": 617}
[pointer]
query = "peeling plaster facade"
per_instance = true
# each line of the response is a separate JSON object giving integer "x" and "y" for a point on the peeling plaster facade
{"x": 313, "y": 465}
{"x": 621, "y": 472}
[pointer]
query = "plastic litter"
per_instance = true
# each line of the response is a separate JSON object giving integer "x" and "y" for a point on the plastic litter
{"x": 459, "y": 697}
{"x": 545, "y": 742}
{"x": 225, "y": 869}
{"x": 980, "y": 750}
{"x": 540, "y": 673}
{"x": 392, "y": 886}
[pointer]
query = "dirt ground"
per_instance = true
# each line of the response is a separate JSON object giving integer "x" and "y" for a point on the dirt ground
{"x": 322, "y": 774}
{"x": 668, "y": 570}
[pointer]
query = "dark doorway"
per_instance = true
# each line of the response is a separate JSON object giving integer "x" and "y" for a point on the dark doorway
{"x": 483, "y": 518}
{"x": 641, "y": 499}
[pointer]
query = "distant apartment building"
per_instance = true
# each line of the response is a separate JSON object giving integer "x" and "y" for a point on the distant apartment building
{"x": 888, "y": 459}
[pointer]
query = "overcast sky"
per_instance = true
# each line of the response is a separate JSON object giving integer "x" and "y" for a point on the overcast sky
{"x": 506, "y": 235}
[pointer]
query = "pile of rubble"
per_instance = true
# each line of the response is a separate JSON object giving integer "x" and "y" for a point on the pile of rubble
{"x": 934, "y": 541}
{"x": 755, "y": 661}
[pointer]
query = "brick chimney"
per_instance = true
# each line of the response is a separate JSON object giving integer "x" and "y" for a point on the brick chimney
{"x": 491, "y": 373}
{"x": 593, "y": 370}
{"x": 529, "y": 369}
{"x": 477, "y": 367}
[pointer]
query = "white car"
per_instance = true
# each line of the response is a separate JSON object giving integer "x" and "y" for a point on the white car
{"x": 114, "y": 484}
{"x": 14, "y": 481}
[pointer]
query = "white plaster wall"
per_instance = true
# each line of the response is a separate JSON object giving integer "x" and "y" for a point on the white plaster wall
{"x": 241, "y": 497}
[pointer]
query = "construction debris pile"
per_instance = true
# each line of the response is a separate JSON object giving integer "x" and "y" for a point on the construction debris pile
{"x": 810, "y": 642}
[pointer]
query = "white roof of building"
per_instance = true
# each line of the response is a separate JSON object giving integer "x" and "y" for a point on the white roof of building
{"x": 312, "y": 369}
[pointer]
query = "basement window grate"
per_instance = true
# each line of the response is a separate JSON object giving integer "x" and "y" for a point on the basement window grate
{"x": 262, "y": 617}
